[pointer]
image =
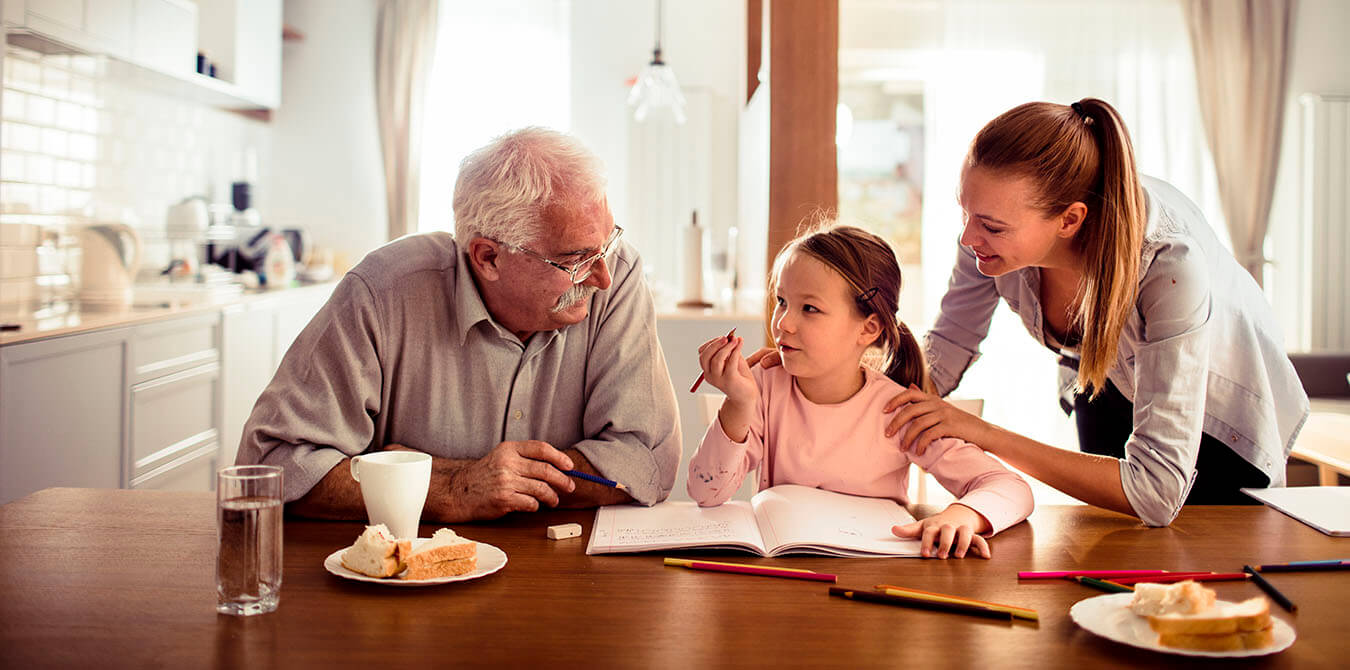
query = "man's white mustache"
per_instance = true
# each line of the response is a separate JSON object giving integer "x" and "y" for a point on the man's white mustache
{"x": 573, "y": 296}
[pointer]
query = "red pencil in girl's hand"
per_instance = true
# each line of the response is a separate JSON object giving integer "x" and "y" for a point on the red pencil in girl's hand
{"x": 699, "y": 381}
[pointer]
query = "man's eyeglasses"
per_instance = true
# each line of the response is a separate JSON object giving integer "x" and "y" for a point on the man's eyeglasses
{"x": 581, "y": 271}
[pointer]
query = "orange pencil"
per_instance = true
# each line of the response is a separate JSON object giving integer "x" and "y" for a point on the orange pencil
{"x": 700, "y": 375}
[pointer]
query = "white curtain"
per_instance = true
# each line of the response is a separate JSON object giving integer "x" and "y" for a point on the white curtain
{"x": 405, "y": 44}
{"x": 1241, "y": 50}
{"x": 499, "y": 66}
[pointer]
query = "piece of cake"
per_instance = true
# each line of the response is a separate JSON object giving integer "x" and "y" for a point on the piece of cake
{"x": 377, "y": 553}
{"x": 444, "y": 555}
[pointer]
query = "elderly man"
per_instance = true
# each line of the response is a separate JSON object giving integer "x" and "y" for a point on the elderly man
{"x": 522, "y": 347}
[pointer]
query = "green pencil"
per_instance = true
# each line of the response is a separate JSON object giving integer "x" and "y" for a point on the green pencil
{"x": 1104, "y": 585}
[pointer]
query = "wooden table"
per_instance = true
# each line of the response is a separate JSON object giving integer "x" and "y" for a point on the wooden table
{"x": 110, "y": 578}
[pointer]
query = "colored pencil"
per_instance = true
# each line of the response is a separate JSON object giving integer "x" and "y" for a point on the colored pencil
{"x": 1181, "y": 577}
{"x": 595, "y": 478}
{"x": 735, "y": 568}
{"x": 700, "y": 375}
{"x": 1106, "y": 574}
{"x": 908, "y": 601}
{"x": 813, "y": 572}
{"x": 1104, "y": 585}
{"x": 1017, "y": 612}
{"x": 1307, "y": 566}
{"x": 1270, "y": 589}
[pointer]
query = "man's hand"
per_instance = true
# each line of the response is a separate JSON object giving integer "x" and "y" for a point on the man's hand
{"x": 513, "y": 477}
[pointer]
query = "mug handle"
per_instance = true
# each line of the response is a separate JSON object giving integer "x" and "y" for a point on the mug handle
{"x": 355, "y": 459}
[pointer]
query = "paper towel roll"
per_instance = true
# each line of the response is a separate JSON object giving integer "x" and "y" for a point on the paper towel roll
{"x": 692, "y": 273}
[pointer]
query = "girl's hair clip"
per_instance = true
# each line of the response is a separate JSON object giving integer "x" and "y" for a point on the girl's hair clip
{"x": 866, "y": 296}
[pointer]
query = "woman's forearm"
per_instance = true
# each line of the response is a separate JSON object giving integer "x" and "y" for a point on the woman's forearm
{"x": 1088, "y": 477}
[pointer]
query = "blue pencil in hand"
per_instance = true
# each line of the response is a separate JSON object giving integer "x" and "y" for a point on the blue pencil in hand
{"x": 595, "y": 478}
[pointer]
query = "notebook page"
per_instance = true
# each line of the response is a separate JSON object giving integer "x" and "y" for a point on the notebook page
{"x": 674, "y": 525}
{"x": 801, "y": 519}
{"x": 1326, "y": 508}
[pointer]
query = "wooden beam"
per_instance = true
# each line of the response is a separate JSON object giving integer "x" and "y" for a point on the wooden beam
{"x": 803, "y": 95}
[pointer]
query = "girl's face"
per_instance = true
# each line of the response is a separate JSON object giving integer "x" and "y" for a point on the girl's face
{"x": 815, "y": 324}
{"x": 1003, "y": 229}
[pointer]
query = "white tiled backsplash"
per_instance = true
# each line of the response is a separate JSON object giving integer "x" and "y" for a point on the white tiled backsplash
{"x": 81, "y": 142}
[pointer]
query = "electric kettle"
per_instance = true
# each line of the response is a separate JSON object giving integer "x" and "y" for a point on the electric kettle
{"x": 110, "y": 255}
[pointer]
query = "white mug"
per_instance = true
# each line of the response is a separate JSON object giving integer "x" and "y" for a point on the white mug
{"x": 394, "y": 486}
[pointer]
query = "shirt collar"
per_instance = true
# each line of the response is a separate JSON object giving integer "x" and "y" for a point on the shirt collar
{"x": 469, "y": 308}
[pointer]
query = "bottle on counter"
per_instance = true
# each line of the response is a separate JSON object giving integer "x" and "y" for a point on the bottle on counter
{"x": 279, "y": 263}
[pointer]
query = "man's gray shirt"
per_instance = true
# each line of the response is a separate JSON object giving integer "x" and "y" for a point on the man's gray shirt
{"x": 405, "y": 352}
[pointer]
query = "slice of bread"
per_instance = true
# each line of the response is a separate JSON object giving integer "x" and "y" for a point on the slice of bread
{"x": 1188, "y": 597}
{"x": 1222, "y": 619}
{"x": 1255, "y": 639}
{"x": 377, "y": 553}
{"x": 444, "y": 555}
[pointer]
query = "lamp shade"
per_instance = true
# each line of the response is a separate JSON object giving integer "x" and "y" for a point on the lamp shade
{"x": 656, "y": 88}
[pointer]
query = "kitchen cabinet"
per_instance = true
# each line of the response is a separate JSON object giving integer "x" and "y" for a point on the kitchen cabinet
{"x": 175, "y": 400}
{"x": 156, "y": 42}
{"x": 155, "y": 405}
{"x": 164, "y": 36}
{"x": 257, "y": 334}
{"x": 92, "y": 26}
{"x": 243, "y": 39}
{"x": 63, "y": 412}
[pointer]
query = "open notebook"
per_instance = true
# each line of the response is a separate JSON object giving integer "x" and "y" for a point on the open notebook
{"x": 1326, "y": 508}
{"x": 784, "y": 519}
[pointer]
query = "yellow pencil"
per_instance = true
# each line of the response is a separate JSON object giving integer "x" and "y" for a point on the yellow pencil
{"x": 684, "y": 562}
{"x": 1018, "y": 612}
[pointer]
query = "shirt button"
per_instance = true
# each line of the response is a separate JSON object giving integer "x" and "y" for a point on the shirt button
{"x": 519, "y": 414}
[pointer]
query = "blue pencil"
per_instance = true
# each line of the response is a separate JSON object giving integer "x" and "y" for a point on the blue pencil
{"x": 595, "y": 478}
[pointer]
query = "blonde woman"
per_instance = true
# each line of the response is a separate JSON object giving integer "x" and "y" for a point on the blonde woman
{"x": 1182, "y": 391}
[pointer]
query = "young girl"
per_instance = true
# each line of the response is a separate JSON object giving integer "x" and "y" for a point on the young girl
{"x": 817, "y": 420}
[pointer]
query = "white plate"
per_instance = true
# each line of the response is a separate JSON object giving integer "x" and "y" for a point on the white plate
{"x": 1110, "y": 617}
{"x": 490, "y": 560}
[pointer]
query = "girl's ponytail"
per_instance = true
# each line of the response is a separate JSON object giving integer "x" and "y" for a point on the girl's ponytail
{"x": 907, "y": 365}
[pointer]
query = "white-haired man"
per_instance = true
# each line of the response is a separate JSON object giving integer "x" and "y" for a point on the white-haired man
{"x": 521, "y": 347}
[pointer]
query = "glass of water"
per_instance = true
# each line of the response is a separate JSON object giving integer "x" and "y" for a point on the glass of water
{"x": 248, "y": 527}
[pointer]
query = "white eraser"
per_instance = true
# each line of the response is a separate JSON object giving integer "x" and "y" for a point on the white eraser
{"x": 564, "y": 531}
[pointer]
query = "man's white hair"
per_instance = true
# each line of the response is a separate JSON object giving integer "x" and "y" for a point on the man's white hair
{"x": 505, "y": 188}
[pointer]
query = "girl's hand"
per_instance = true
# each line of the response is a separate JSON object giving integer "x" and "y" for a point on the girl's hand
{"x": 931, "y": 418}
{"x": 953, "y": 531}
{"x": 724, "y": 368}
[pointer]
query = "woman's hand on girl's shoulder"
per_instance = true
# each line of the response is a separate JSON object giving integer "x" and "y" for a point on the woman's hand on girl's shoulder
{"x": 951, "y": 532}
{"x": 930, "y": 418}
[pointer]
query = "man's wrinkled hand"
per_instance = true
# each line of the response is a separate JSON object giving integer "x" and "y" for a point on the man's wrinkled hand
{"x": 513, "y": 477}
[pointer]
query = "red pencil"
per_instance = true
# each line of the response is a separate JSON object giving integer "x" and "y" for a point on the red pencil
{"x": 700, "y": 375}
{"x": 1181, "y": 577}
{"x": 1099, "y": 574}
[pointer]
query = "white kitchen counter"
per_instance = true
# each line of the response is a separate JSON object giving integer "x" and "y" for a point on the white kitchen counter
{"x": 76, "y": 317}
